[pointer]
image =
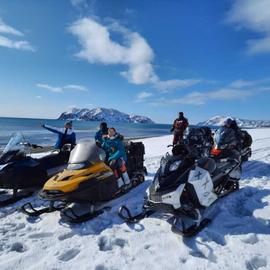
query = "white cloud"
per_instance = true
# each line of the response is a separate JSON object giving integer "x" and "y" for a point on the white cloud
{"x": 7, "y": 29}
{"x": 97, "y": 46}
{"x": 76, "y": 2}
{"x": 255, "y": 16}
{"x": 237, "y": 90}
{"x": 142, "y": 96}
{"x": 75, "y": 87}
{"x": 176, "y": 84}
{"x": 13, "y": 43}
{"x": 60, "y": 89}
{"x": 241, "y": 83}
{"x": 39, "y": 97}
{"x": 200, "y": 98}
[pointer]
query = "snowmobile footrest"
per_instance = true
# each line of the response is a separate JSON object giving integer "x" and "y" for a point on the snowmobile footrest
{"x": 29, "y": 210}
{"x": 15, "y": 198}
{"x": 70, "y": 216}
{"x": 125, "y": 214}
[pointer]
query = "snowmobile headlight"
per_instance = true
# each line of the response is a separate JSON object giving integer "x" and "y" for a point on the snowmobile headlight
{"x": 75, "y": 166}
{"x": 174, "y": 166}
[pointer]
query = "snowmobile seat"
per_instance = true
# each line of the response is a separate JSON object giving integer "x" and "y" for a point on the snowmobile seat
{"x": 180, "y": 150}
{"x": 67, "y": 147}
{"x": 208, "y": 164}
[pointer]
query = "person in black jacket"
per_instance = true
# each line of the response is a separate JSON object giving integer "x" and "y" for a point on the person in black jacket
{"x": 179, "y": 126}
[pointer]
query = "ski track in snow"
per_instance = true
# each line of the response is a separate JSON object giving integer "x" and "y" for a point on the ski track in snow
{"x": 237, "y": 238}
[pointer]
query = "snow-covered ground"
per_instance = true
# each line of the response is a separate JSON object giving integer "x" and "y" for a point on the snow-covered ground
{"x": 238, "y": 238}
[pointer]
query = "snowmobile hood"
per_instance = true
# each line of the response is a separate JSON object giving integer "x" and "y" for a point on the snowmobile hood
{"x": 69, "y": 180}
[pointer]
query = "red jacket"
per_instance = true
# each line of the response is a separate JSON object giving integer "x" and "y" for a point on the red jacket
{"x": 180, "y": 124}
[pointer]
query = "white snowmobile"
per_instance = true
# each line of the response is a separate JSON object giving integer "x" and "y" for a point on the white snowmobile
{"x": 187, "y": 188}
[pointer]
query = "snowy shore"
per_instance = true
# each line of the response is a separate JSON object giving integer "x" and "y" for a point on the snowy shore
{"x": 238, "y": 237}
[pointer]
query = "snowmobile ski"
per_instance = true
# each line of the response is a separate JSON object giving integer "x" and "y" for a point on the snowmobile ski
{"x": 15, "y": 197}
{"x": 125, "y": 214}
{"x": 29, "y": 210}
{"x": 190, "y": 231}
{"x": 70, "y": 216}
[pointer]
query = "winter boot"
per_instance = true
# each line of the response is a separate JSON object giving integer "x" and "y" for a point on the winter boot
{"x": 120, "y": 182}
{"x": 126, "y": 180}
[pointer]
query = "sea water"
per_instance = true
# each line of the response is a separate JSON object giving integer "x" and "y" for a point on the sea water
{"x": 34, "y": 133}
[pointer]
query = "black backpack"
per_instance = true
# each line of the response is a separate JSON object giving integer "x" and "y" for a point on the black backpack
{"x": 135, "y": 156}
{"x": 246, "y": 139}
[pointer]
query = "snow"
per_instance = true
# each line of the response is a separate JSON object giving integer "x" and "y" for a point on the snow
{"x": 237, "y": 238}
{"x": 243, "y": 123}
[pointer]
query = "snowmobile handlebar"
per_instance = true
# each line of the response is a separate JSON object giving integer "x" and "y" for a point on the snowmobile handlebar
{"x": 35, "y": 146}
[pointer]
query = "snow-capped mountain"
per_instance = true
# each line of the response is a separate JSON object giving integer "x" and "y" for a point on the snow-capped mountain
{"x": 243, "y": 123}
{"x": 103, "y": 114}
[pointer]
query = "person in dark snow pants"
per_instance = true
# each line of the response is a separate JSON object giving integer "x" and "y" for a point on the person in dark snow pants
{"x": 179, "y": 126}
{"x": 66, "y": 135}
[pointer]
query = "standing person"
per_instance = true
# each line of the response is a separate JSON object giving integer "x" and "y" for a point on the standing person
{"x": 103, "y": 130}
{"x": 65, "y": 135}
{"x": 117, "y": 158}
{"x": 179, "y": 126}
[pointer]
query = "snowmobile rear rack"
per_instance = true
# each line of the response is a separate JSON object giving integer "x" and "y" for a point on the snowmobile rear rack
{"x": 29, "y": 210}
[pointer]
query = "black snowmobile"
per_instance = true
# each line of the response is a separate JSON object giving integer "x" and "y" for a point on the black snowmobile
{"x": 199, "y": 141}
{"x": 88, "y": 183}
{"x": 187, "y": 188}
{"x": 22, "y": 172}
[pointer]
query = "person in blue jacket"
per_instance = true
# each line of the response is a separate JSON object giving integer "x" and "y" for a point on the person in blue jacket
{"x": 117, "y": 158}
{"x": 103, "y": 130}
{"x": 65, "y": 135}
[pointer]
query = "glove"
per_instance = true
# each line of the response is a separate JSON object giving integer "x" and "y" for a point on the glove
{"x": 112, "y": 162}
{"x": 98, "y": 144}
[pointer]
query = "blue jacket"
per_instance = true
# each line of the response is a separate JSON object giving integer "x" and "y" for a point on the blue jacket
{"x": 115, "y": 148}
{"x": 64, "y": 136}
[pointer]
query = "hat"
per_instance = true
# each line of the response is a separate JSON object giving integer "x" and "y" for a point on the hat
{"x": 103, "y": 124}
{"x": 228, "y": 122}
{"x": 69, "y": 123}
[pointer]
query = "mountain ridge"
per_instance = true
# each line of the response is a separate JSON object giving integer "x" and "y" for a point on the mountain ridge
{"x": 103, "y": 114}
{"x": 243, "y": 123}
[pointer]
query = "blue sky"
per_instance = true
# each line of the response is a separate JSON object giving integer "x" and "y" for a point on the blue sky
{"x": 153, "y": 58}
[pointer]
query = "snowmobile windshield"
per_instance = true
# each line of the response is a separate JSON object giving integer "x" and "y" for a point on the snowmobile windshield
{"x": 16, "y": 148}
{"x": 16, "y": 142}
{"x": 84, "y": 154}
{"x": 224, "y": 137}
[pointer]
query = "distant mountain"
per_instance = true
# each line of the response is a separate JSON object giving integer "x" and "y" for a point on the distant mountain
{"x": 243, "y": 123}
{"x": 103, "y": 114}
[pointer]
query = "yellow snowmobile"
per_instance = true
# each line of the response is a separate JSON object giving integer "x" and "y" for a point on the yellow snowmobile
{"x": 88, "y": 179}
